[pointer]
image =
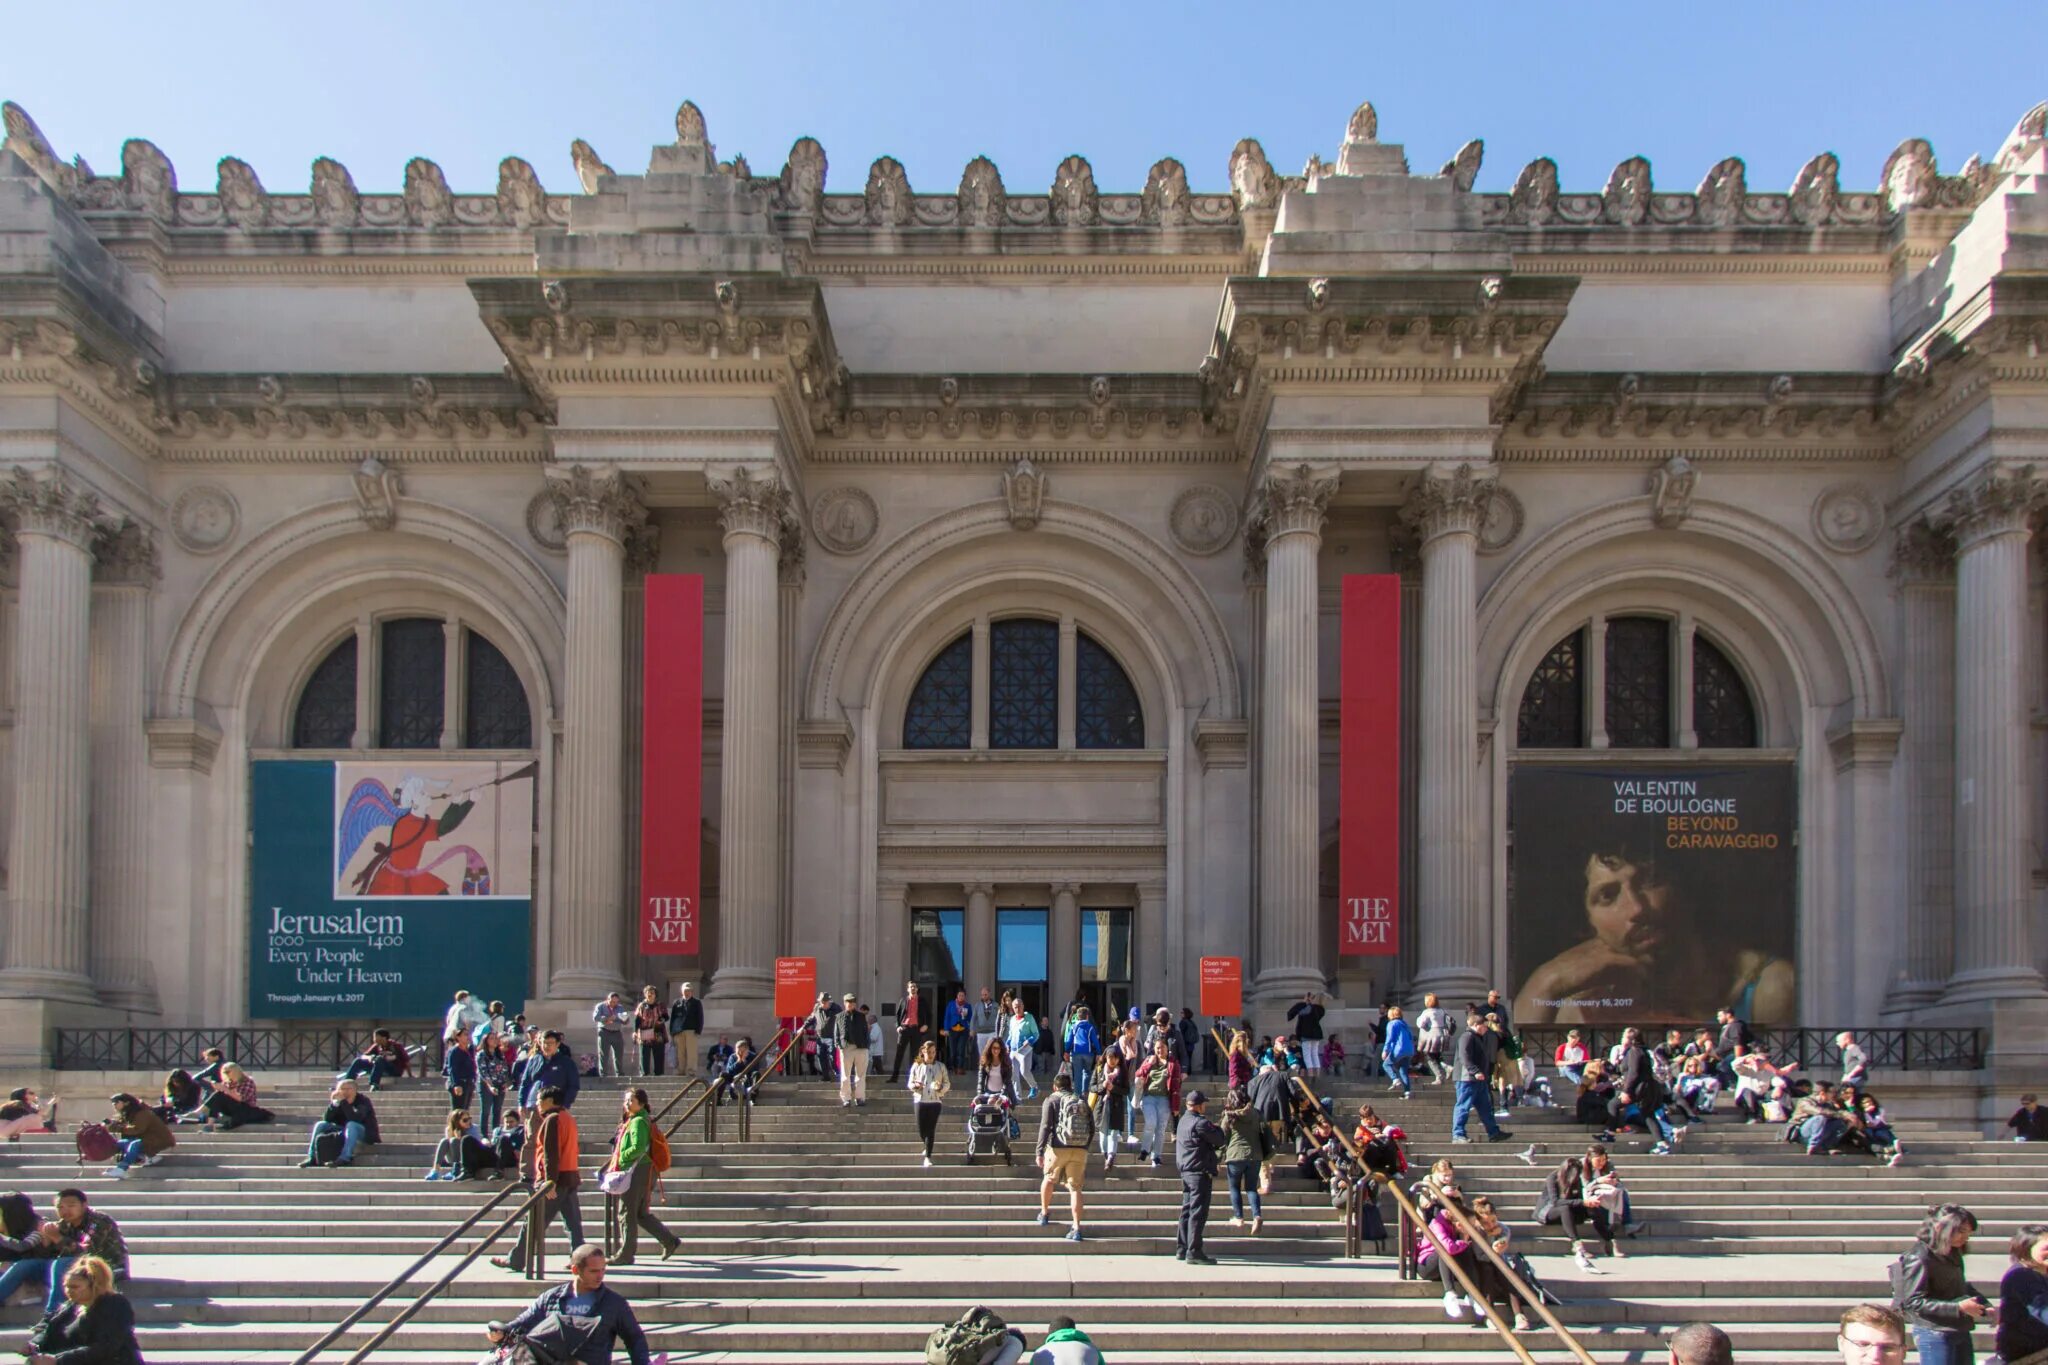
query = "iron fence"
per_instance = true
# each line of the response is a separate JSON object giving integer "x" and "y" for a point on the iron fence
{"x": 1814, "y": 1049}
{"x": 269, "y": 1049}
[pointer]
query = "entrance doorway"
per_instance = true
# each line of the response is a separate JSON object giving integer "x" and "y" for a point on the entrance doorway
{"x": 1106, "y": 976}
{"x": 1022, "y": 958}
{"x": 938, "y": 940}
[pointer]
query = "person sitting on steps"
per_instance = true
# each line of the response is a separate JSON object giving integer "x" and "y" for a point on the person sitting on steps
{"x": 144, "y": 1136}
{"x": 24, "y": 1113}
{"x": 353, "y": 1117}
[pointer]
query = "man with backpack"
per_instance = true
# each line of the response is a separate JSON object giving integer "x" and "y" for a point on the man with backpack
{"x": 1082, "y": 1045}
{"x": 850, "y": 1040}
{"x": 350, "y": 1121}
{"x": 1066, "y": 1130}
{"x": 554, "y": 1155}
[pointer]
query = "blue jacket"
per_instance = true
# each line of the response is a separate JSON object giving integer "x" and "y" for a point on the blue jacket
{"x": 1082, "y": 1040}
{"x": 543, "y": 1071}
{"x": 458, "y": 1064}
{"x": 1400, "y": 1039}
{"x": 958, "y": 1014}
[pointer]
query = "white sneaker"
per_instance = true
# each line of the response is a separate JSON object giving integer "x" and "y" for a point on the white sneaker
{"x": 1898, "y": 1155}
{"x": 927, "y": 1162}
{"x": 1478, "y": 1309}
{"x": 1585, "y": 1261}
{"x": 1454, "y": 1307}
{"x": 118, "y": 1173}
{"x": 1678, "y": 1133}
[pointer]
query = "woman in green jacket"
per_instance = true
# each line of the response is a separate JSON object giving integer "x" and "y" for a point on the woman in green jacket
{"x": 1243, "y": 1153}
{"x": 634, "y": 1152}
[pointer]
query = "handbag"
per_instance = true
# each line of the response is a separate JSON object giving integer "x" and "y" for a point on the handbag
{"x": 554, "y": 1340}
{"x": 612, "y": 1180}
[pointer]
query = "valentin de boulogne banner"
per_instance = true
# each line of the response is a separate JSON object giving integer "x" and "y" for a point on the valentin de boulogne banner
{"x": 379, "y": 889}
{"x": 1653, "y": 894}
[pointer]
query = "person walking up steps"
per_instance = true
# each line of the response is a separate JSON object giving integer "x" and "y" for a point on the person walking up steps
{"x": 1197, "y": 1143}
{"x": 1082, "y": 1045}
{"x": 850, "y": 1040}
{"x": 1397, "y": 1052}
{"x": 635, "y": 1150}
{"x": 930, "y": 1080}
{"x": 1244, "y": 1151}
{"x": 1475, "y": 1084}
{"x": 1066, "y": 1127}
{"x": 1433, "y": 1038}
{"x": 1306, "y": 1015}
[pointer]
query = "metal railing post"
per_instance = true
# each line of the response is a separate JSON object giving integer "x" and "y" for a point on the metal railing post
{"x": 536, "y": 1239}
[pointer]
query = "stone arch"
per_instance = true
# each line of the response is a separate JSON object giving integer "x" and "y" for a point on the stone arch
{"x": 284, "y": 593}
{"x": 1140, "y": 603}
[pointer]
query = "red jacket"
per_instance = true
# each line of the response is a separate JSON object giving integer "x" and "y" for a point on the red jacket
{"x": 1141, "y": 1086}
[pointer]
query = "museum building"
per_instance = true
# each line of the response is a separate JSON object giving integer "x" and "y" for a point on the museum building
{"x": 1023, "y": 513}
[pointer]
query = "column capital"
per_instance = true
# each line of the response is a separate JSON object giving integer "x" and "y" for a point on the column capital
{"x": 1449, "y": 500}
{"x": 750, "y": 504}
{"x": 1065, "y": 889}
{"x": 50, "y": 503}
{"x": 1998, "y": 503}
{"x": 973, "y": 889}
{"x": 1923, "y": 554}
{"x": 1293, "y": 499}
{"x": 601, "y": 502}
{"x": 643, "y": 548}
{"x": 125, "y": 555}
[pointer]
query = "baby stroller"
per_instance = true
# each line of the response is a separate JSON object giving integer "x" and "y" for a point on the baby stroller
{"x": 990, "y": 1128}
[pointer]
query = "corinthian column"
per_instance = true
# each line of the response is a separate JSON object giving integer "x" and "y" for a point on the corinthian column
{"x": 1446, "y": 510}
{"x": 48, "y": 868}
{"x": 1924, "y": 567}
{"x": 598, "y": 511}
{"x": 748, "y": 846}
{"x": 121, "y": 964}
{"x": 1993, "y": 853}
{"x": 1290, "y": 747}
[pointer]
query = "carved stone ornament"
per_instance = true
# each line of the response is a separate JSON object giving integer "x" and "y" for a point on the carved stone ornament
{"x": 1462, "y": 170}
{"x": 590, "y": 167}
{"x": 750, "y": 504}
{"x": 2026, "y": 135}
{"x": 1074, "y": 201}
{"x": 1923, "y": 552}
{"x": 602, "y": 503}
{"x": 1293, "y": 501}
{"x": 690, "y": 129}
{"x": 1165, "y": 199}
{"x": 124, "y": 551}
{"x": 643, "y": 548}
{"x": 887, "y": 196}
{"x": 844, "y": 520}
{"x": 1023, "y": 494}
{"x": 1364, "y": 125}
{"x": 544, "y": 522}
{"x": 1909, "y": 179}
{"x": 983, "y": 201}
{"x": 243, "y": 200}
{"x": 521, "y": 200}
{"x": 1203, "y": 520}
{"x": 378, "y": 488}
{"x": 1252, "y": 182}
{"x": 1533, "y": 200}
{"x": 204, "y": 518}
{"x": 1672, "y": 485}
{"x": 1815, "y": 191}
{"x": 26, "y": 141}
{"x": 1719, "y": 199}
{"x": 1502, "y": 521}
{"x": 802, "y": 183}
{"x": 1848, "y": 518}
{"x": 335, "y": 201}
{"x": 1450, "y": 501}
{"x": 49, "y": 503}
{"x": 1997, "y": 503}
{"x": 1626, "y": 200}
{"x": 428, "y": 201}
{"x": 149, "y": 184}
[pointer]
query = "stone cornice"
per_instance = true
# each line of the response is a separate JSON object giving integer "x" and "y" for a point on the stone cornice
{"x": 1222, "y": 743}
{"x": 1865, "y": 743}
{"x": 1006, "y": 412}
{"x": 823, "y": 744}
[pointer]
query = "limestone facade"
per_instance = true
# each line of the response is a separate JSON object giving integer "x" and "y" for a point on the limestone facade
{"x": 241, "y": 427}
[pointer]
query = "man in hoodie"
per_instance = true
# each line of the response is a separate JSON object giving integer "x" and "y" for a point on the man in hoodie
{"x": 1066, "y": 1344}
{"x": 551, "y": 1066}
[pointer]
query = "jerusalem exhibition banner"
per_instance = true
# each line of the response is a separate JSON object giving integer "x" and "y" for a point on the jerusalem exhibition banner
{"x": 379, "y": 889}
{"x": 1653, "y": 894}
{"x": 1369, "y": 771}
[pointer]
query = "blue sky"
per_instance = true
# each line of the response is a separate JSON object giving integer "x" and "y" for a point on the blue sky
{"x": 934, "y": 84}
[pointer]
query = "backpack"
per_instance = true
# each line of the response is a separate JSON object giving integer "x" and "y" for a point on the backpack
{"x": 657, "y": 1149}
{"x": 1074, "y": 1125}
{"x": 96, "y": 1143}
{"x": 967, "y": 1341}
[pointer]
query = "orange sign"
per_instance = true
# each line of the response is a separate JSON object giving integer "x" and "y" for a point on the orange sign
{"x": 796, "y": 986}
{"x": 1222, "y": 987}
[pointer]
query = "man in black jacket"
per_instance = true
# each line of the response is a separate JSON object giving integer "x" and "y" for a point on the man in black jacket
{"x": 349, "y": 1114}
{"x": 585, "y": 1296}
{"x": 1306, "y": 1015}
{"x": 851, "y": 1041}
{"x": 551, "y": 1066}
{"x": 1196, "y": 1144}
{"x": 1475, "y": 1083}
{"x": 1734, "y": 1041}
{"x": 685, "y": 1025}
{"x": 913, "y": 1026}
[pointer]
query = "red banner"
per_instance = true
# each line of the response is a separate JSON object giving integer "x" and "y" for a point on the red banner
{"x": 1222, "y": 987}
{"x": 672, "y": 764}
{"x": 1369, "y": 736}
{"x": 796, "y": 986}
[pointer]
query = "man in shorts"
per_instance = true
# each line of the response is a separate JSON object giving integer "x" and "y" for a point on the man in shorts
{"x": 1064, "y": 1160}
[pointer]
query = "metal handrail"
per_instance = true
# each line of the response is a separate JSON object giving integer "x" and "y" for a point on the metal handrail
{"x": 369, "y": 1305}
{"x": 1464, "y": 1280}
{"x": 1515, "y": 1281}
{"x": 762, "y": 1076}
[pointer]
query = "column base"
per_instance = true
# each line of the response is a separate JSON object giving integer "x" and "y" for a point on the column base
{"x": 1910, "y": 1000}
{"x": 131, "y": 1000}
{"x": 37, "y": 983}
{"x": 1277, "y": 990}
{"x": 742, "y": 1001}
{"x": 1454, "y": 987}
{"x": 28, "y": 1029}
{"x": 590, "y": 984}
{"x": 1984, "y": 985}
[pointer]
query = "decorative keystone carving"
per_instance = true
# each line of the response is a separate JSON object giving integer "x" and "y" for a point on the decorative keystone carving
{"x": 1534, "y": 197}
{"x": 1294, "y": 501}
{"x": 1450, "y": 501}
{"x": 1626, "y": 200}
{"x": 590, "y": 167}
{"x": 336, "y": 204}
{"x": 888, "y": 198}
{"x": 1074, "y": 200}
{"x": 1252, "y": 181}
{"x": 604, "y": 504}
{"x": 801, "y": 185}
{"x": 1671, "y": 488}
{"x": 149, "y": 184}
{"x": 1165, "y": 200}
{"x": 243, "y": 200}
{"x": 378, "y": 487}
{"x": 48, "y": 503}
{"x": 750, "y": 504}
{"x": 521, "y": 200}
{"x": 1998, "y": 503}
{"x": 984, "y": 202}
{"x": 428, "y": 201}
{"x": 1924, "y": 551}
{"x": 1023, "y": 494}
{"x": 1718, "y": 202}
{"x": 125, "y": 551}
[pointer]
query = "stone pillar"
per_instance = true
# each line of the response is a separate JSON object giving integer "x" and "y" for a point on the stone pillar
{"x": 1446, "y": 509}
{"x": 119, "y": 954}
{"x": 1994, "y": 855}
{"x": 1290, "y": 756}
{"x": 749, "y": 874}
{"x": 48, "y": 867}
{"x": 589, "y": 935}
{"x": 1923, "y": 566}
{"x": 1063, "y": 947}
{"x": 979, "y": 938}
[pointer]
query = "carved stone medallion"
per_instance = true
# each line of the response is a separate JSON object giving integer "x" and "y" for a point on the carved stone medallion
{"x": 1502, "y": 522}
{"x": 1848, "y": 518}
{"x": 544, "y": 522}
{"x": 844, "y": 520}
{"x": 1203, "y": 520}
{"x": 204, "y": 518}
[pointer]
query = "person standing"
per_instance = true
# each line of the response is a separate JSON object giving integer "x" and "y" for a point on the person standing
{"x": 1082, "y": 1045}
{"x": 912, "y": 1028}
{"x": 650, "y": 1031}
{"x": 493, "y": 1079}
{"x": 1397, "y": 1052}
{"x": 551, "y": 1154}
{"x": 850, "y": 1041}
{"x": 823, "y": 1015}
{"x": 1855, "y": 1061}
{"x": 1066, "y": 1127}
{"x": 959, "y": 1030}
{"x": 1475, "y": 1084}
{"x": 1197, "y": 1144}
{"x": 1306, "y": 1015}
{"x": 685, "y": 1025}
{"x": 1113, "y": 1104}
{"x": 463, "y": 1016}
{"x": 988, "y": 1022}
{"x": 1433, "y": 1038}
{"x": 633, "y": 1151}
{"x": 550, "y": 1066}
{"x": 458, "y": 1070}
{"x": 930, "y": 1080}
{"x": 1158, "y": 1088}
{"x": 610, "y": 1017}
{"x": 1244, "y": 1152}
{"x": 1930, "y": 1290}
{"x": 1022, "y": 1040}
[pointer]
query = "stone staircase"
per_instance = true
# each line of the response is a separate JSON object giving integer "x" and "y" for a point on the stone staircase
{"x": 824, "y": 1239}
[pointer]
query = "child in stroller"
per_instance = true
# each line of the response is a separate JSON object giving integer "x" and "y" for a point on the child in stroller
{"x": 990, "y": 1127}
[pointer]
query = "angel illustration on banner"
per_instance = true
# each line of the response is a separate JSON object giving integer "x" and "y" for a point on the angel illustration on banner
{"x": 410, "y": 825}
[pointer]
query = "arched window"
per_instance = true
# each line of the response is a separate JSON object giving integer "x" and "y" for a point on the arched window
{"x": 1106, "y": 710}
{"x": 1639, "y": 682}
{"x": 1553, "y": 713}
{"x": 326, "y": 714}
{"x": 941, "y": 710}
{"x": 1722, "y": 715}
{"x": 412, "y": 678}
{"x": 1024, "y": 684}
{"x": 495, "y": 714}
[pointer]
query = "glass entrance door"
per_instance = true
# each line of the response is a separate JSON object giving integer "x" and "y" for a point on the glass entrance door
{"x": 1106, "y": 978}
{"x": 1021, "y": 956}
{"x": 937, "y": 950}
